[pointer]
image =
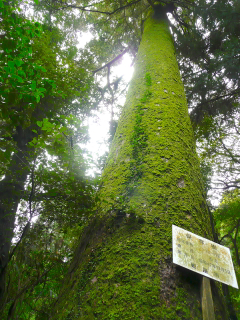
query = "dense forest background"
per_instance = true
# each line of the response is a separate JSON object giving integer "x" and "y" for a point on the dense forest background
{"x": 50, "y": 87}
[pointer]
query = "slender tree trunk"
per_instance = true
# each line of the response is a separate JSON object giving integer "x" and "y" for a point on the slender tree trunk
{"x": 123, "y": 267}
{"x": 11, "y": 189}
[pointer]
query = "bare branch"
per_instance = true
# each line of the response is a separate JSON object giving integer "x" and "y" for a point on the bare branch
{"x": 236, "y": 128}
{"x": 234, "y": 159}
{"x": 236, "y": 91}
{"x": 112, "y": 61}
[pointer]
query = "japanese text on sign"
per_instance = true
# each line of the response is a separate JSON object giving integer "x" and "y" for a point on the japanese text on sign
{"x": 203, "y": 256}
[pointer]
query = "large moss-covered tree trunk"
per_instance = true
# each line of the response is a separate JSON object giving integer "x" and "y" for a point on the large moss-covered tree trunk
{"x": 123, "y": 266}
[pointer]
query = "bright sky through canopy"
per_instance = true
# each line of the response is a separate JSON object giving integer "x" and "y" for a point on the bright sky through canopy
{"x": 99, "y": 124}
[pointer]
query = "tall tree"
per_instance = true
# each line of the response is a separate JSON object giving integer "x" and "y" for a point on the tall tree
{"x": 40, "y": 260}
{"x": 122, "y": 268}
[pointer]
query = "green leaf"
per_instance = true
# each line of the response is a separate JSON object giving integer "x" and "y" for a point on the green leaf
{"x": 11, "y": 64}
{"x": 18, "y": 62}
{"x": 40, "y": 124}
{"x": 33, "y": 85}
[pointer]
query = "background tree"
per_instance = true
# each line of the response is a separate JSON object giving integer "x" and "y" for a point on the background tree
{"x": 38, "y": 84}
{"x": 227, "y": 225}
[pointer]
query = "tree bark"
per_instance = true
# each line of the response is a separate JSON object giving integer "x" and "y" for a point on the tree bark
{"x": 11, "y": 190}
{"x": 122, "y": 268}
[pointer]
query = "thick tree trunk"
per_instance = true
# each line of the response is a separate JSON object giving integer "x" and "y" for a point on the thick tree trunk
{"x": 123, "y": 267}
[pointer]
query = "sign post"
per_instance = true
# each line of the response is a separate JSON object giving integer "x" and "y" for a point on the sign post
{"x": 207, "y": 258}
{"x": 207, "y": 301}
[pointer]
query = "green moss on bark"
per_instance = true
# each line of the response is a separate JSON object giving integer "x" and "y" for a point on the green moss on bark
{"x": 151, "y": 181}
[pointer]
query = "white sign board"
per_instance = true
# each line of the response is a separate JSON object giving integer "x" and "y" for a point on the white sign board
{"x": 203, "y": 256}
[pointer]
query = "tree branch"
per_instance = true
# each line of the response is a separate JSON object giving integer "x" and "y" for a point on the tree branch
{"x": 109, "y": 13}
{"x": 112, "y": 61}
{"x": 236, "y": 91}
{"x": 151, "y": 3}
{"x": 234, "y": 158}
{"x": 25, "y": 231}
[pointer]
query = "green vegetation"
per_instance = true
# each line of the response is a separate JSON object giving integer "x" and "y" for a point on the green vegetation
{"x": 76, "y": 247}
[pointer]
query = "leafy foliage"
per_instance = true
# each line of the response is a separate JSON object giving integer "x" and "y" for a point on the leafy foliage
{"x": 20, "y": 79}
{"x": 218, "y": 141}
{"x": 44, "y": 100}
{"x": 208, "y": 44}
{"x": 228, "y": 225}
